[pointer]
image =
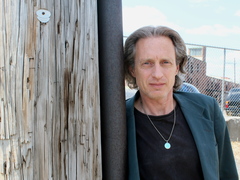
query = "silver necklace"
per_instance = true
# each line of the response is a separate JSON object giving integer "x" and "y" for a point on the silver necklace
{"x": 167, "y": 145}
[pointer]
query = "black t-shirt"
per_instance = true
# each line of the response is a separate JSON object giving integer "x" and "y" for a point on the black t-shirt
{"x": 180, "y": 162}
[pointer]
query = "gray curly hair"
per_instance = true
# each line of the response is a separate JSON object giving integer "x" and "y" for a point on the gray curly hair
{"x": 150, "y": 31}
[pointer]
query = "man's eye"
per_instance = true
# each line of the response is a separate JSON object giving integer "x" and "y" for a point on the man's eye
{"x": 147, "y": 63}
{"x": 165, "y": 62}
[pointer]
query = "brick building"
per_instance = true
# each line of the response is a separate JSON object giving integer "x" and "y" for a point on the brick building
{"x": 212, "y": 86}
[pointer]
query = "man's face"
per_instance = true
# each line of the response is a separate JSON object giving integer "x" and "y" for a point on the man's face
{"x": 155, "y": 67}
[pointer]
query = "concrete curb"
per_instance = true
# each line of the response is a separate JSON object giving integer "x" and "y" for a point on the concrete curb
{"x": 233, "y": 125}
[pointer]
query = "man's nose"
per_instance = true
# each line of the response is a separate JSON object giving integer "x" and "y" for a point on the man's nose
{"x": 157, "y": 71}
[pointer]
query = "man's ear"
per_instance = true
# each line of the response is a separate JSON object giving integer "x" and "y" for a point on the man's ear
{"x": 131, "y": 70}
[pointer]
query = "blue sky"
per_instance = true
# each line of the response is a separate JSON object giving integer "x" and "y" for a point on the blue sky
{"x": 205, "y": 22}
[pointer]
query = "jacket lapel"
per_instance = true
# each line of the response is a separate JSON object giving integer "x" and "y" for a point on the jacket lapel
{"x": 133, "y": 169}
{"x": 202, "y": 128}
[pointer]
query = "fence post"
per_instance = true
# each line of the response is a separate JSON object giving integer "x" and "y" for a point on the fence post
{"x": 223, "y": 81}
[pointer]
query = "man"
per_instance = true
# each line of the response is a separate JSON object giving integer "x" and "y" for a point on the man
{"x": 171, "y": 134}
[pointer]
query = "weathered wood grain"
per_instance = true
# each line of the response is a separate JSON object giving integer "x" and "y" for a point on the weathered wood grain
{"x": 49, "y": 91}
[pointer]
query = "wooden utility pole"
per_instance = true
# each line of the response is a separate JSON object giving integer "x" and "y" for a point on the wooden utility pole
{"x": 49, "y": 90}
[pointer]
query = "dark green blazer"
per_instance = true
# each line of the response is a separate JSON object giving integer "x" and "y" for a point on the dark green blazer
{"x": 209, "y": 131}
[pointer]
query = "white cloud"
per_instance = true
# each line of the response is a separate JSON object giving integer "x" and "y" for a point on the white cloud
{"x": 139, "y": 16}
{"x": 196, "y": 1}
{"x": 217, "y": 30}
{"x": 201, "y": 1}
{"x": 220, "y": 9}
{"x": 237, "y": 13}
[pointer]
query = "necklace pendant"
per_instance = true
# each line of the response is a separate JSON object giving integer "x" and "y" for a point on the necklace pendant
{"x": 167, "y": 145}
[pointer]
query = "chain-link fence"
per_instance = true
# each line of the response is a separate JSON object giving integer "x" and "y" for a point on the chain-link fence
{"x": 215, "y": 72}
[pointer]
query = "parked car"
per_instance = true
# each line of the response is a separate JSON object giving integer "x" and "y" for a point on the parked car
{"x": 186, "y": 87}
{"x": 232, "y": 103}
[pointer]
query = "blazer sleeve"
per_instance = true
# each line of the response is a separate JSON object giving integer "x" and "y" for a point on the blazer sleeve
{"x": 227, "y": 165}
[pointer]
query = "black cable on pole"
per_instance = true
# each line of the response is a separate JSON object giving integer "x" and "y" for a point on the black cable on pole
{"x": 112, "y": 91}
